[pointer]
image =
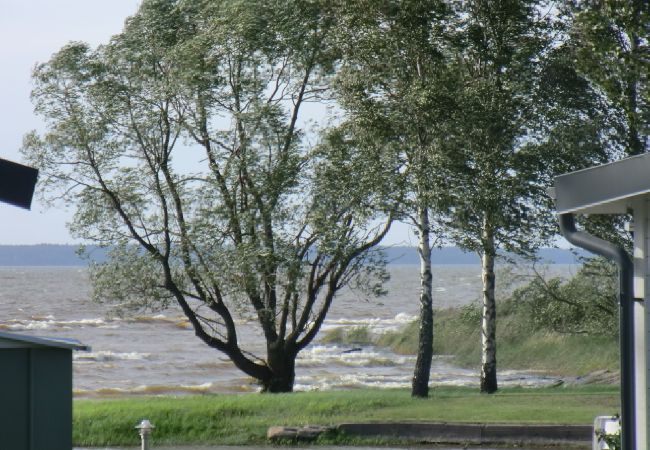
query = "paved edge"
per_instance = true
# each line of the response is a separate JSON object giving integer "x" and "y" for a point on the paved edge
{"x": 468, "y": 433}
{"x": 448, "y": 433}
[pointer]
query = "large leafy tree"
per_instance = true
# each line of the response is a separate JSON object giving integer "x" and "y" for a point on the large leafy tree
{"x": 612, "y": 41}
{"x": 179, "y": 144}
{"x": 397, "y": 92}
{"x": 523, "y": 115}
{"x": 610, "y": 46}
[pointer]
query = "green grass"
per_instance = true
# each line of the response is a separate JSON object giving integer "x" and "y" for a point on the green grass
{"x": 243, "y": 419}
{"x": 354, "y": 336}
{"x": 519, "y": 345}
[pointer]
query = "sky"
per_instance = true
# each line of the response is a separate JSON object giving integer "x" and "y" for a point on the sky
{"x": 30, "y": 32}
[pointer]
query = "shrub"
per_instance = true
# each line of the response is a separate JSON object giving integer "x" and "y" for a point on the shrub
{"x": 585, "y": 304}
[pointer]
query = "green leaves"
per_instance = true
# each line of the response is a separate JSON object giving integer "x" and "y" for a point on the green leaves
{"x": 587, "y": 303}
{"x": 179, "y": 143}
{"x": 185, "y": 138}
{"x": 612, "y": 44}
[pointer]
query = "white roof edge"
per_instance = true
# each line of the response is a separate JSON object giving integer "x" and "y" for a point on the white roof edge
{"x": 603, "y": 189}
{"x": 604, "y": 165}
{"x": 584, "y": 209}
{"x": 71, "y": 344}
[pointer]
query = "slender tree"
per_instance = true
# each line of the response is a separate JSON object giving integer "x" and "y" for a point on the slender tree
{"x": 179, "y": 142}
{"x": 397, "y": 92}
{"x": 520, "y": 120}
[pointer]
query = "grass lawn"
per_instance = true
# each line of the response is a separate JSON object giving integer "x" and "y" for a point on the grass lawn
{"x": 244, "y": 418}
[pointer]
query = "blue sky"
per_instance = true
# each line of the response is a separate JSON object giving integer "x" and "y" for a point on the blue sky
{"x": 30, "y": 32}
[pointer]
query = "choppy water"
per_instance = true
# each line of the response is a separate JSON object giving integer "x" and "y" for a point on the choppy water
{"x": 158, "y": 353}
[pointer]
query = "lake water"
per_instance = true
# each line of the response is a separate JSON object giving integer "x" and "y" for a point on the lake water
{"x": 159, "y": 354}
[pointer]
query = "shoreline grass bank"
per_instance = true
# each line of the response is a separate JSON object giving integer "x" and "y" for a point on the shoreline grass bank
{"x": 519, "y": 345}
{"x": 242, "y": 419}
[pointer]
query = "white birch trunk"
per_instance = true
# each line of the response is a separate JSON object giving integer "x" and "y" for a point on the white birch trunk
{"x": 420, "y": 385}
{"x": 488, "y": 325}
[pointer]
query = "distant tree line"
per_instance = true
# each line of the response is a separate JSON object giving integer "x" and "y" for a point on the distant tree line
{"x": 190, "y": 148}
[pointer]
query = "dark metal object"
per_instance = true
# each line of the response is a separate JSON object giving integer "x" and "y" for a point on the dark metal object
{"x": 626, "y": 318}
{"x": 36, "y": 392}
{"x": 17, "y": 183}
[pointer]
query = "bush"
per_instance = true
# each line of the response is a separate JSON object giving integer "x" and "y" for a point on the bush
{"x": 566, "y": 327}
{"x": 585, "y": 304}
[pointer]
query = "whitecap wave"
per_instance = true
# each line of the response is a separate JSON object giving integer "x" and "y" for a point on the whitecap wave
{"x": 351, "y": 381}
{"x": 154, "y": 318}
{"x": 51, "y": 323}
{"x": 147, "y": 390}
{"x": 394, "y": 381}
{"x": 374, "y": 324}
{"x": 105, "y": 355}
{"x": 328, "y": 355}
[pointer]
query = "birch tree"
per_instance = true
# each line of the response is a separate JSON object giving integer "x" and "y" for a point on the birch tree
{"x": 523, "y": 115}
{"x": 397, "y": 92}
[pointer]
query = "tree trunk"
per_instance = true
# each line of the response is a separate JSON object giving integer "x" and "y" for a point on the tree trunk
{"x": 488, "y": 326}
{"x": 420, "y": 386}
{"x": 282, "y": 364}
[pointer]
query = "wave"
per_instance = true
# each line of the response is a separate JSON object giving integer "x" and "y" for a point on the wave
{"x": 328, "y": 355}
{"x": 374, "y": 325}
{"x": 52, "y": 323}
{"x": 160, "y": 389}
{"x": 351, "y": 381}
{"x": 49, "y": 322}
{"x": 161, "y": 318}
{"x": 392, "y": 381}
{"x": 105, "y": 356}
{"x": 318, "y": 383}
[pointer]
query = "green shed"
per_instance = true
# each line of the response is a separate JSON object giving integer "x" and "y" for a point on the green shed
{"x": 36, "y": 392}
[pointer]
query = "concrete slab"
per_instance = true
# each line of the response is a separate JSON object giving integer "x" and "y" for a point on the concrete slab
{"x": 475, "y": 434}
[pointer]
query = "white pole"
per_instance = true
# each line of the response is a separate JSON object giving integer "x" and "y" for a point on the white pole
{"x": 145, "y": 427}
{"x": 641, "y": 290}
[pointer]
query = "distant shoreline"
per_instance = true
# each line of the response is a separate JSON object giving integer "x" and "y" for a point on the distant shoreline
{"x": 47, "y": 255}
{"x": 56, "y": 255}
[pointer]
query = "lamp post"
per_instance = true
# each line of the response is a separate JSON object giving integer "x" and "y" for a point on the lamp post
{"x": 145, "y": 428}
